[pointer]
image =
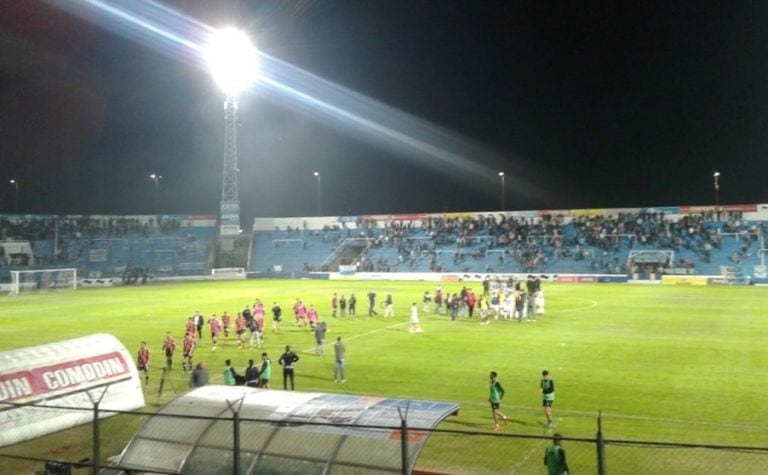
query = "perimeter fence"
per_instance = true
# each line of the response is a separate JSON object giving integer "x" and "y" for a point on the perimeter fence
{"x": 227, "y": 449}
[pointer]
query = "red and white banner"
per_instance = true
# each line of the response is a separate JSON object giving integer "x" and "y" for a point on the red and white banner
{"x": 69, "y": 374}
{"x": 48, "y": 381}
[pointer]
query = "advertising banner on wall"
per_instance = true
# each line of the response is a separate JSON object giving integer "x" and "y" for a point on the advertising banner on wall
{"x": 683, "y": 280}
{"x": 68, "y": 374}
{"x": 229, "y": 220}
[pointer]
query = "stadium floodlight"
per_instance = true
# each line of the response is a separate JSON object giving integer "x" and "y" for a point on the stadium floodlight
{"x": 503, "y": 201}
{"x": 232, "y": 60}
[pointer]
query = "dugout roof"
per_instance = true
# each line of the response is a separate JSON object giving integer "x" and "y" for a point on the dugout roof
{"x": 282, "y": 432}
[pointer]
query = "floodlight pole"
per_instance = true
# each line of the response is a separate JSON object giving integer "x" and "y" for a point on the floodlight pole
{"x": 503, "y": 197}
{"x": 15, "y": 184}
{"x": 716, "y": 177}
{"x": 156, "y": 178}
{"x": 319, "y": 194}
{"x": 230, "y": 203}
{"x": 233, "y": 61}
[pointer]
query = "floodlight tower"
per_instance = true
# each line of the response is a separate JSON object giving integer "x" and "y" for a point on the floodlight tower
{"x": 319, "y": 194}
{"x": 716, "y": 177}
{"x": 15, "y": 183}
{"x": 233, "y": 62}
{"x": 156, "y": 178}
{"x": 503, "y": 192}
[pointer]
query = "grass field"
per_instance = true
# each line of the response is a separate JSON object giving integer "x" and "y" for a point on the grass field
{"x": 678, "y": 364}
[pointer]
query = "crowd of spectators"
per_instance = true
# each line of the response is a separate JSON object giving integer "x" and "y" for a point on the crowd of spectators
{"x": 530, "y": 244}
{"x": 35, "y": 228}
{"x": 74, "y": 235}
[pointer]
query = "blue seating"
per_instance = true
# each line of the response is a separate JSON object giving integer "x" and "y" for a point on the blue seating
{"x": 585, "y": 245}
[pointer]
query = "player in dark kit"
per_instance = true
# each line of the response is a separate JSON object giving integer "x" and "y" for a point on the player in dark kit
{"x": 372, "y": 303}
{"x": 547, "y": 386}
{"x": 554, "y": 457}
{"x": 251, "y": 375}
{"x": 496, "y": 394}
{"x": 169, "y": 347}
{"x": 334, "y": 304}
{"x": 189, "y": 351}
{"x": 287, "y": 361}
{"x": 142, "y": 361}
{"x": 277, "y": 317}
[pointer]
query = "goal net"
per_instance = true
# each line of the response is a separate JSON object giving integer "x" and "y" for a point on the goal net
{"x": 228, "y": 273}
{"x": 43, "y": 280}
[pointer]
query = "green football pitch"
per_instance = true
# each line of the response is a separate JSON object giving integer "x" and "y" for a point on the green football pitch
{"x": 662, "y": 363}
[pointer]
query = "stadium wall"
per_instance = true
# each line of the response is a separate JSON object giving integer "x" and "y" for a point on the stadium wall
{"x": 472, "y": 277}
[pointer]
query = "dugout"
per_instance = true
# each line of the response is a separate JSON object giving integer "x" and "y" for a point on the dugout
{"x": 282, "y": 432}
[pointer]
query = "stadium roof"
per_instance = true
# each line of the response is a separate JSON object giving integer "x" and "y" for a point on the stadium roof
{"x": 282, "y": 432}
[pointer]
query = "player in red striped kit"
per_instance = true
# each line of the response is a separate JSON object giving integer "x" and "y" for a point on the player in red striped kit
{"x": 142, "y": 361}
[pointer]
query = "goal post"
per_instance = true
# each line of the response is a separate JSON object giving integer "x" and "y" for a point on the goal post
{"x": 43, "y": 280}
{"x": 228, "y": 273}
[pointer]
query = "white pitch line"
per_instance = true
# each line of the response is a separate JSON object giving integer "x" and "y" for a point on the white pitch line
{"x": 520, "y": 463}
{"x": 609, "y": 416}
{"x": 578, "y": 309}
{"x": 359, "y": 335}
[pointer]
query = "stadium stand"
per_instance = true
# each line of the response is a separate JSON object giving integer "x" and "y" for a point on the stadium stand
{"x": 622, "y": 243}
{"x": 111, "y": 246}
{"x": 637, "y": 242}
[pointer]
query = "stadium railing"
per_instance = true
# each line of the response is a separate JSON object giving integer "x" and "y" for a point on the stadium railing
{"x": 98, "y": 444}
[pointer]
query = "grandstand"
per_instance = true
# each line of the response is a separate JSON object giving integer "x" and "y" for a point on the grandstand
{"x": 108, "y": 246}
{"x": 637, "y": 244}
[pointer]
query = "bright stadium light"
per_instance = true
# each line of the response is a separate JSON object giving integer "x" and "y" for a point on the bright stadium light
{"x": 156, "y": 179}
{"x": 232, "y": 60}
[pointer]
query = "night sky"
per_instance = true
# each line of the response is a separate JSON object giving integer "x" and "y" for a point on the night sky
{"x": 607, "y": 105}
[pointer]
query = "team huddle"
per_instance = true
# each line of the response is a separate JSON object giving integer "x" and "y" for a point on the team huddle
{"x": 505, "y": 299}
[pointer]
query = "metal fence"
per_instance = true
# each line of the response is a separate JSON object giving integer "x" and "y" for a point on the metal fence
{"x": 93, "y": 448}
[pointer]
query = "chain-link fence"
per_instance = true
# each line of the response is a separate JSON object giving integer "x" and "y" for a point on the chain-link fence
{"x": 227, "y": 448}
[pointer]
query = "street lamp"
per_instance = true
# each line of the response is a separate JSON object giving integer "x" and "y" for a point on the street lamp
{"x": 503, "y": 201}
{"x": 233, "y": 62}
{"x": 15, "y": 184}
{"x": 716, "y": 177}
{"x": 156, "y": 178}
{"x": 319, "y": 194}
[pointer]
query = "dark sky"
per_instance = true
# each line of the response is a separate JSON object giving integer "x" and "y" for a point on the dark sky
{"x": 606, "y": 105}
